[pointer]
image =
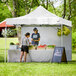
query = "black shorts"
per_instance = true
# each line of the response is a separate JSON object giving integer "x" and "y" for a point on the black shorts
{"x": 25, "y": 48}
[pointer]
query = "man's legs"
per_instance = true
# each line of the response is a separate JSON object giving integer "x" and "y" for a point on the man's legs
{"x": 21, "y": 56}
{"x": 25, "y": 54}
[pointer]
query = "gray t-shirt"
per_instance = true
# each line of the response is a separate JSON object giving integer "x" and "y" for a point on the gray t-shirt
{"x": 25, "y": 41}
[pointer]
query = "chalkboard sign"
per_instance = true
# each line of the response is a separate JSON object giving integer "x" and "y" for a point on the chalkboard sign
{"x": 59, "y": 55}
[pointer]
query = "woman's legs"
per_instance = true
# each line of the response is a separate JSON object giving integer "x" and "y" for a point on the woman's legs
{"x": 25, "y": 54}
{"x": 22, "y": 53}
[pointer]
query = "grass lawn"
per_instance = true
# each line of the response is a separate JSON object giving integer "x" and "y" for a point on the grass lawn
{"x": 35, "y": 69}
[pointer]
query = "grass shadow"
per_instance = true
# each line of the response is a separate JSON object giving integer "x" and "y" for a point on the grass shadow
{"x": 1, "y": 59}
{"x": 72, "y": 62}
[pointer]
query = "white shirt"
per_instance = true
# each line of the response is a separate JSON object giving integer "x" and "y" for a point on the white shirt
{"x": 25, "y": 41}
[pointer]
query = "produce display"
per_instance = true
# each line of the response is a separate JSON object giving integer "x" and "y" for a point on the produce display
{"x": 65, "y": 31}
{"x": 42, "y": 47}
{"x": 59, "y": 32}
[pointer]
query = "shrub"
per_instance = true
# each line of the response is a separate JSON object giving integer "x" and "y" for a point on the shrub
{"x": 12, "y": 43}
{"x": 9, "y": 32}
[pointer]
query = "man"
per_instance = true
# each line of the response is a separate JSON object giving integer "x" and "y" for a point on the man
{"x": 25, "y": 46}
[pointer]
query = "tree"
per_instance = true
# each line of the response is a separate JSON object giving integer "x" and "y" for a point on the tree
{"x": 64, "y": 13}
{"x": 18, "y": 8}
{"x": 68, "y": 11}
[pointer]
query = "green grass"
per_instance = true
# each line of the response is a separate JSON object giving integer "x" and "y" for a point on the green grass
{"x": 2, "y": 46}
{"x": 37, "y": 69}
{"x": 33, "y": 68}
{"x": 8, "y": 41}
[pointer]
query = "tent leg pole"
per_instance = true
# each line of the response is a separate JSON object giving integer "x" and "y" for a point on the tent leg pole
{"x": 5, "y": 45}
{"x": 61, "y": 35}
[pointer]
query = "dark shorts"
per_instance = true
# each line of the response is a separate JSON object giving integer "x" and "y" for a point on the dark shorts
{"x": 25, "y": 48}
{"x": 35, "y": 42}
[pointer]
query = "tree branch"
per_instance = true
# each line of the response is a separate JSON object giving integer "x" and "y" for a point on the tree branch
{"x": 53, "y": 7}
{"x": 10, "y": 9}
{"x": 30, "y": 6}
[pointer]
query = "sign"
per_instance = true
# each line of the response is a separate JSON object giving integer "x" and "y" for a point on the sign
{"x": 59, "y": 55}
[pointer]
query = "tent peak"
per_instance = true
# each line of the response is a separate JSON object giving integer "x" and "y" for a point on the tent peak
{"x": 40, "y": 7}
{"x": 41, "y": 12}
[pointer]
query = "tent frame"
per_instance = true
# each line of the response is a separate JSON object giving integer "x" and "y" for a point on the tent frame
{"x": 5, "y": 43}
{"x": 41, "y": 14}
{"x": 61, "y": 25}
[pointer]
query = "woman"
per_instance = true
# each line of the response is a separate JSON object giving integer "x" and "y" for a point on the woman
{"x": 35, "y": 38}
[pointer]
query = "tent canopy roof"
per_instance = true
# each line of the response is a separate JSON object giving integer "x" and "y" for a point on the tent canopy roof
{"x": 3, "y": 24}
{"x": 40, "y": 16}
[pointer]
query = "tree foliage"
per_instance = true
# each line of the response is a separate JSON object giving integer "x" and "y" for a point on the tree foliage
{"x": 16, "y": 8}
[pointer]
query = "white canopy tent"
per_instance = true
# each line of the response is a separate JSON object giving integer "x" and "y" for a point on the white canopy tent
{"x": 39, "y": 16}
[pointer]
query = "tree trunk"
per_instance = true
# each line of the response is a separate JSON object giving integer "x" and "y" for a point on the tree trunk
{"x": 37, "y": 2}
{"x": 19, "y": 34}
{"x": 64, "y": 13}
{"x": 53, "y": 7}
{"x": 14, "y": 8}
{"x": 69, "y": 10}
{"x": 43, "y": 3}
{"x": 47, "y": 5}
